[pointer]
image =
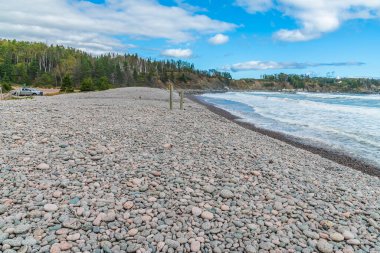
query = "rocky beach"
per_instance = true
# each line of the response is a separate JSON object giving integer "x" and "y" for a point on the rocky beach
{"x": 117, "y": 171}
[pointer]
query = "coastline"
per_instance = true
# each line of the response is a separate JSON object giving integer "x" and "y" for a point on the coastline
{"x": 332, "y": 155}
{"x": 120, "y": 161}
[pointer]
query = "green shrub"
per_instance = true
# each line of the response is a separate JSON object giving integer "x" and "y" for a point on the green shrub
{"x": 6, "y": 87}
{"x": 45, "y": 80}
{"x": 103, "y": 84}
{"x": 87, "y": 85}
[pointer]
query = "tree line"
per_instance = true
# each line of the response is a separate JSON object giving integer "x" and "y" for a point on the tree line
{"x": 38, "y": 64}
{"x": 321, "y": 83}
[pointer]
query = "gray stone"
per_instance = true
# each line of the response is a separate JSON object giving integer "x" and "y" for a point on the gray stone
{"x": 209, "y": 188}
{"x": 353, "y": 242}
{"x": 3, "y": 209}
{"x": 265, "y": 245}
{"x": 324, "y": 246}
{"x": 206, "y": 226}
{"x": 133, "y": 247}
{"x": 71, "y": 223}
{"x": 22, "y": 228}
{"x": 29, "y": 241}
{"x": 225, "y": 193}
{"x": 311, "y": 234}
{"x": 3, "y": 236}
{"x": 337, "y": 237}
{"x": 172, "y": 244}
{"x": 251, "y": 249}
{"x": 348, "y": 235}
{"x": 16, "y": 242}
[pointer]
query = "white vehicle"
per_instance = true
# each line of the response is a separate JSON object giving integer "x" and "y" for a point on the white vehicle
{"x": 27, "y": 92}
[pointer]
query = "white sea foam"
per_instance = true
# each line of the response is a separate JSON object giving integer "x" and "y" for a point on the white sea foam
{"x": 351, "y": 122}
{"x": 341, "y": 96}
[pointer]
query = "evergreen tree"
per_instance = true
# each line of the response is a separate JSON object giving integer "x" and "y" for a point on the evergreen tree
{"x": 5, "y": 84}
{"x": 67, "y": 85}
{"x": 39, "y": 64}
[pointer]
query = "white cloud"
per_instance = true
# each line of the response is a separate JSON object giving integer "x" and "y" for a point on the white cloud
{"x": 253, "y": 6}
{"x": 177, "y": 53}
{"x": 315, "y": 17}
{"x": 97, "y": 27}
{"x": 272, "y": 65}
{"x": 219, "y": 39}
{"x": 189, "y": 7}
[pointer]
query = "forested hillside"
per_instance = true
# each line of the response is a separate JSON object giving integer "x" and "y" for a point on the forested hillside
{"x": 37, "y": 64}
{"x": 53, "y": 66}
{"x": 305, "y": 82}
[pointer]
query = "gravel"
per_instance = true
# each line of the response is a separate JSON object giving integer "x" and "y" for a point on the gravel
{"x": 116, "y": 171}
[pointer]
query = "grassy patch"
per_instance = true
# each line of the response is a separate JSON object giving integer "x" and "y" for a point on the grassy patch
{"x": 53, "y": 94}
{"x": 19, "y": 98}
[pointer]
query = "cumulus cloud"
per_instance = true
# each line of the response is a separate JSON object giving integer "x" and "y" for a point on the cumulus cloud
{"x": 219, "y": 39}
{"x": 97, "y": 27}
{"x": 315, "y": 17}
{"x": 177, "y": 53}
{"x": 272, "y": 65}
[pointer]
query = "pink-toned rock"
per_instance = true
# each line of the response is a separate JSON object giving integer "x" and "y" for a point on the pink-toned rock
{"x": 137, "y": 181}
{"x": 38, "y": 234}
{"x": 200, "y": 239}
{"x": 146, "y": 218}
{"x": 324, "y": 236}
{"x": 55, "y": 248}
{"x": 65, "y": 245}
{"x": 256, "y": 173}
{"x": 196, "y": 211}
{"x": 128, "y": 205}
{"x": 167, "y": 145}
{"x": 62, "y": 231}
{"x": 207, "y": 215}
{"x": 98, "y": 219}
{"x": 43, "y": 166}
{"x": 156, "y": 173}
{"x": 160, "y": 246}
{"x": 195, "y": 246}
{"x": 152, "y": 199}
{"x": 225, "y": 208}
{"x": 73, "y": 237}
{"x": 57, "y": 194}
{"x": 133, "y": 232}
{"x": 80, "y": 211}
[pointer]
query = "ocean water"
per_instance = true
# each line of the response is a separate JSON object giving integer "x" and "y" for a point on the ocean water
{"x": 344, "y": 122}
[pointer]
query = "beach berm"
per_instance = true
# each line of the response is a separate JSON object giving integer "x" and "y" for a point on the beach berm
{"x": 117, "y": 171}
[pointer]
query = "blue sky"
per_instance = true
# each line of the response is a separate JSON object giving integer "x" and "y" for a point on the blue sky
{"x": 245, "y": 37}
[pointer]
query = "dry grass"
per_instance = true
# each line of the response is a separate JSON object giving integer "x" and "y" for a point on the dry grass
{"x": 53, "y": 94}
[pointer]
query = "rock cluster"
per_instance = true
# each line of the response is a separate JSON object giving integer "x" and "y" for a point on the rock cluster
{"x": 109, "y": 172}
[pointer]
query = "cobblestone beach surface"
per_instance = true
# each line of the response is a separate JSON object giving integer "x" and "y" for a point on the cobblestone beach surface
{"x": 116, "y": 171}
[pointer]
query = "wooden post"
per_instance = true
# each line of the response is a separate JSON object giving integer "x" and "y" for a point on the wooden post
{"x": 181, "y": 101}
{"x": 1, "y": 93}
{"x": 171, "y": 96}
